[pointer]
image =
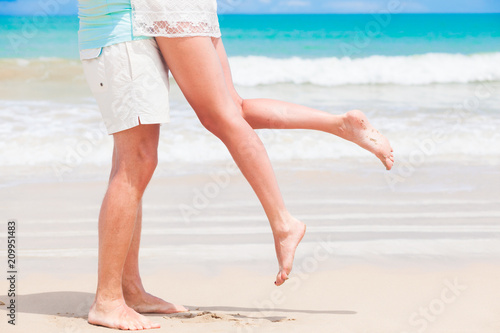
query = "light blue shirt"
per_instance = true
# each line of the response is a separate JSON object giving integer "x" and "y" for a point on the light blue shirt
{"x": 104, "y": 23}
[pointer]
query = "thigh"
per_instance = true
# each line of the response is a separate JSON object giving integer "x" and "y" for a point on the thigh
{"x": 196, "y": 67}
{"x": 221, "y": 53}
{"x": 136, "y": 144}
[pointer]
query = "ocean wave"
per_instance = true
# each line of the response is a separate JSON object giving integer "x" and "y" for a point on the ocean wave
{"x": 431, "y": 68}
{"x": 402, "y": 70}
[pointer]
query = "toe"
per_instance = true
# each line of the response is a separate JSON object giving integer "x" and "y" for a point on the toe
{"x": 281, "y": 278}
{"x": 146, "y": 324}
{"x": 278, "y": 281}
{"x": 127, "y": 327}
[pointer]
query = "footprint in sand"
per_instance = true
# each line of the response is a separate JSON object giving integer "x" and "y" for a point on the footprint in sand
{"x": 205, "y": 317}
{"x": 202, "y": 317}
{"x": 281, "y": 320}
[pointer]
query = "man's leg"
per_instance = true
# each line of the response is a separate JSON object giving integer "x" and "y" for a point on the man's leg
{"x": 267, "y": 113}
{"x": 133, "y": 291}
{"x": 135, "y": 158}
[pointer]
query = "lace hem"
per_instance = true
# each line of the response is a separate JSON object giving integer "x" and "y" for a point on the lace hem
{"x": 175, "y": 18}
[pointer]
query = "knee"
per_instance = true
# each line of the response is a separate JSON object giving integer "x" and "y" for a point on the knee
{"x": 148, "y": 160}
{"x": 144, "y": 169}
{"x": 212, "y": 124}
{"x": 220, "y": 123}
{"x": 134, "y": 171}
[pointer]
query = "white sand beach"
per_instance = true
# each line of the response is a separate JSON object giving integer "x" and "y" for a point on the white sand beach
{"x": 423, "y": 257}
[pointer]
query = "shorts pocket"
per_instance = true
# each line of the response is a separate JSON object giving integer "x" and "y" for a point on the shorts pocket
{"x": 95, "y": 73}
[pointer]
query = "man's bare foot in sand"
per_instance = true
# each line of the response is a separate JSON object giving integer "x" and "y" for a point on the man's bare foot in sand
{"x": 286, "y": 243}
{"x": 116, "y": 314}
{"x": 143, "y": 302}
{"x": 358, "y": 129}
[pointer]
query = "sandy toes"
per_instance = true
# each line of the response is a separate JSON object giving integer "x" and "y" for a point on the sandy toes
{"x": 285, "y": 244}
{"x": 358, "y": 129}
{"x": 116, "y": 314}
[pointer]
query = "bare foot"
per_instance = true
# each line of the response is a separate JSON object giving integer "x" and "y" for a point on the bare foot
{"x": 286, "y": 243}
{"x": 116, "y": 314}
{"x": 358, "y": 129}
{"x": 147, "y": 303}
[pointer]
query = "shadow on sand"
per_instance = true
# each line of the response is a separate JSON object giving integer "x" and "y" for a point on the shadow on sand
{"x": 72, "y": 304}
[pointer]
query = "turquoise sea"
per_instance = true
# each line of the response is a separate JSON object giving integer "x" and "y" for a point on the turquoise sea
{"x": 308, "y": 36}
{"x": 414, "y": 74}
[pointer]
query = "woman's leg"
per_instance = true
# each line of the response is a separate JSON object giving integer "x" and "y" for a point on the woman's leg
{"x": 197, "y": 70}
{"x": 266, "y": 113}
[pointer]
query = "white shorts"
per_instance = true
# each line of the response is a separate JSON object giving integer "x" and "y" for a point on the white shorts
{"x": 130, "y": 83}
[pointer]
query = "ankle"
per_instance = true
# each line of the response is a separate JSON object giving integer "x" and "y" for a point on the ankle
{"x": 283, "y": 224}
{"x": 132, "y": 288}
{"x": 107, "y": 303}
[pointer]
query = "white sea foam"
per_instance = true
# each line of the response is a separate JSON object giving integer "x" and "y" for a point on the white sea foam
{"x": 404, "y": 70}
{"x": 60, "y": 140}
{"x": 421, "y": 69}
